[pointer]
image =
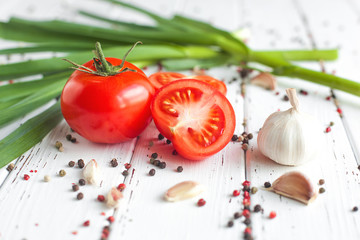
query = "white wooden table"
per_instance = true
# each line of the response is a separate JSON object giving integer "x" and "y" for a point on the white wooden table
{"x": 35, "y": 209}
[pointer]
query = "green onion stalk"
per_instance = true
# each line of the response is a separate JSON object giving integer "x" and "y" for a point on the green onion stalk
{"x": 178, "y": 43}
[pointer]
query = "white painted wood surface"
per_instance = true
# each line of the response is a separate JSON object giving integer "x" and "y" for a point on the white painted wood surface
{"x": 37, "y": 210}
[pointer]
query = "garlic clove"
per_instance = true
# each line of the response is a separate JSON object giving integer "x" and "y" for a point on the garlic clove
{"x": 91, "y": 172}
{"x": 296, "y": 186}
{"x": 265, "y": 80}
{"x": 183, "y": 190}
{"x": 113, "y": 197}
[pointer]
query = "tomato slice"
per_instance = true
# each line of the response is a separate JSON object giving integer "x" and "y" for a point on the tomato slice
{"x": 160, "y": 79}
{"x": 197, "y": 118}
{"x": 219, "y": 85}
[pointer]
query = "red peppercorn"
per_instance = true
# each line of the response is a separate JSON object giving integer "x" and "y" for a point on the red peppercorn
{"x": 339, "y": 110}
{"x": 26, "y": 177}
{"x": 247, "y": 230}
{"x": 101, "y": 198}
{"x": 246, "y": 194}
{"x": 111, "y": 219}
{"x": 86, "y": 223}
{"x": 31, "y": 170}
{"x": 127, "y": 165}
{"x": 272, "y": 215}
{"x": 236, "y": 193}
{"x": 74, "y": 232}
{"x": 246, "y": 202}
{"x": 246, "y": 213}
{"x": 328, "y": 129}
{"x": 102, "y": 214}
{"x": 246, "y": 184}
{"x": 201, "y": 202}
{"x": 121, "y": 187}
{"x": 328, "y": 98}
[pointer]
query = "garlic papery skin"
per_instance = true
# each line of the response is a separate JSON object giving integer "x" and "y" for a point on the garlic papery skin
{"x": 91, "y": 172}
{"x": 290, "y": 137}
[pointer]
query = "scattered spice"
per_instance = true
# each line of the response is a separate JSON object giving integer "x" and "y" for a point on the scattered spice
{"x": 328, "y": 129}
{"x": 246, "y": 213}
{"x": 80, "y": 196}
{"x": 111, "y": 219}
{"x": 250, "y": 136}
{"x": 58, "y": 144}
{"x": 68, "y": 137}
{"x": 272, "y": 215}
{"x": 152, "y": 172}
{"x": 246, "y": 202}
{"x": 247, "y": 230}
{"x": 234, "y": 138}
{"x": 245, "y": 146}
{"x": 179, "y": 169}
{"x": 339, "y": 110}
{"x": 328, "y": 98}
{"x": 125, "y": 173}
{"x": 303, "y": 92}
{"x": 355, "y": 209}
{"x": 10, "y": 167}
{"x": 162, "y": 165}
{"x": 156, "y": 163}
{"x": 100, "y": 198}
{"x": 160, "y": 136}
{"x": 154, "y": 155}
{"x": 71, "y": 164}
{"x": 246, "y": 183}
{"x": 322, "y": 190}
{"x": 127, "y": 165}
{"x": 114, "y": 162}
{"x": 73, "y": 140}
{"x": 246, "y": 194}
{"x": 201, "y": 202}
{"x": 257, "y": 208}
{"x": 286, "y": 98}
{"x": 267, "y": 184}
{"x": 247, "y": 221}
{"x": 86, "y": 223}
{"x": 331, "y": 124}
{"x": 81, "y": 163}
{"x": 152, "y": 160}
{"x": 62, "y": 173}
{"x": 74, "y": 232}
{"x": 321, "y": 181}
{"x": 121, "y": 187}
{"x": 254, "y": 190}
{"x": 47, "y": 178}
{"x": 237, "y": 215}
{"x": 174, "y": 152}
{"x": 168, "y": 141}
{"x": 236, "y": 193}
{"x": 75, "y": 187}
{"x": 230, "y": 224}
{"x": 26, "y": 177}
{"x": 82, "y": 182}
{"x": 105, "y": 233}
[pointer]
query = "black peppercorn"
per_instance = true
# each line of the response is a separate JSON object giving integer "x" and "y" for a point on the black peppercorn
{"x": 174, "y": 152}
{"x": 162, "y": 165}
{"x": 81, "y": 163}
{"x": 247, "y": 221}
{"x": 80, "y": 196}
{"x": 125, "y": 173}
{"x": 237, "y": 215}
{"x": 73, "y": 140}
{"x": 168, "y": 141}
{"x": 267, "y": 184}
{"x": 321, "y": 190}
{"x": 355, "y": 209}
{"x": 82, "y": 182}
{"x": 286, "y": 98}
{"x": 257, "y": 208}
{"x": 156, "y": 163}
{"x": 234, "y": 138}
{"x": 179, "y": 169}
{"x": 71, "y": 163}
{"x": 250, "y": 136}
{"x": 154, "y": 155}
{"x": 114, "y": 162}
{"x": 152, "y": 172}
{"x": 75, "y": 187}
{"x": 230, "y": 224}
{"x": 160, "y": 136}
{"x": 69, "y": 137}
{"x": 246, "y": 188}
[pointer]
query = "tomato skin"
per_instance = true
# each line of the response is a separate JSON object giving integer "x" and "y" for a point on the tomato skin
{"x": 109, "y": 109}
{"x": 219, "y": 85}
{"x": 160, "y": 79}
{"x": 182, "y": 118}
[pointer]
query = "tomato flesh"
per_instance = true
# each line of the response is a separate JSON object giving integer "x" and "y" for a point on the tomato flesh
{"x": 109, "y": 109}
{"x": 197, "y": 118}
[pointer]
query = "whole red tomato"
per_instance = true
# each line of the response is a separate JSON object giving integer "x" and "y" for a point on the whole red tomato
{"x": 107, "y": 109}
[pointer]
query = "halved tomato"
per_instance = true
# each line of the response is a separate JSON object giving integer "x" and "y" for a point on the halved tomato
{"x": 197, "y": 118}
{"x": 160, "y": 79}
{"x": 219, "y": 85}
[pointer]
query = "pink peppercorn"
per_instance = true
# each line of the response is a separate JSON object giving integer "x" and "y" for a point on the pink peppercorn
{"x": 328, "y": 129}
{"x": 121, "y": 187}
{"x": 236, "y": 193}
{"x": 86, "y": 223}
{"x": 201, "y": 202}
{"x": 26, "y": 177}
{"x": 246, "y": 213}
{"x": 246, "y": 184}
{"x": 111, "y": 219}
{"x": 272, "y": 215}
{"x": 101, "y": 198}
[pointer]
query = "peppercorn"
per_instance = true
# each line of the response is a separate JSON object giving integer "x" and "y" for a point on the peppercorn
{"x": 246, "y": 213}
{"x": 321, "y": 181}
{"x": 359, "y": 167}
{"x": 267, "y": 184}
{"x": 62, "y": 173}
{"x": 332, "y": 124}
{"x": 236, "y": 193}
{"x": 230, "y": 224}
{"x": 174, "y": 152}
{"x": 257, "y": 208}
{"x": 246, "y": 183}
{"x": 246, "y": 188}
{"x": 272, "y": 215}
{"x": 111, "y": 219}
{"x": 160, "y": 136}
{"x": 286, "y": 98}
{"x": 154, "y": 155}
{"x": 114, "y": 162}
{"x": 68, "y": 137}
{"x": 75, "y": 188}
{"x": 81, "y": 163}
{"x": 168, "y": 141}
{"x": 152, "y": 172}
{"x": 86, "y": 223}
{"x": 73, "y": 140}
{"x": 156, "y": 163}
{"x": 82, "y": 182}
{"x": 250, "y": 136}
{"x": 100, "y": 198}
{"x": 125, "y": 173}
{"x": 80, "y": 196}
{"x": 201, "y": 202}
{"x": 237, "y": 215}
{"x": 127, "y": 165}
{"x": 254, "y": 190}
{"x": 245, "y": 146}
{"x": 321, "y": 190}
{"x": 58, "y": 144}
{"x": 10, "y": 167}
{"x": 328, "y": 129}
{"x": 71, "y": 164}
{"x": 61, "y": 149}
{"x": 47, "y": 178}
{"x": 234, "y": 138}
{"x": 162, "y": 165}
{"x": 247, "y": 221}
{"x": 245, "y": 140}
{"x": 121, "y": 187}
{"x": 152, "y": 160}
{"x": 355, "y": 209}
{"x": 179, "y": 169}
{"x": 26, "y": 177}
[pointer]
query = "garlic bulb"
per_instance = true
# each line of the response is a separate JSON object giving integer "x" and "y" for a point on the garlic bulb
{"x": 290, "y": 137}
